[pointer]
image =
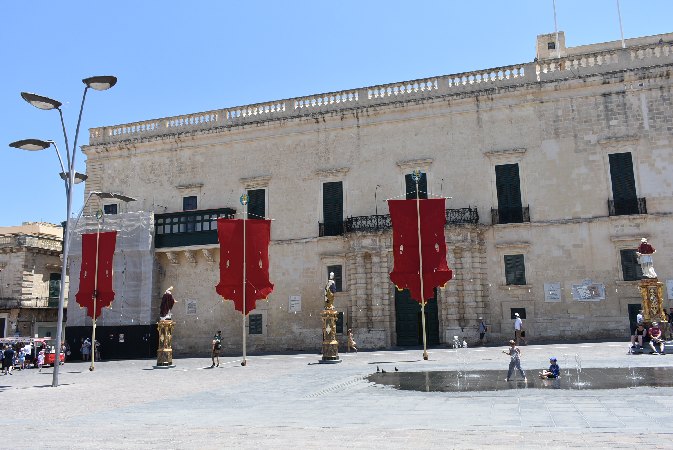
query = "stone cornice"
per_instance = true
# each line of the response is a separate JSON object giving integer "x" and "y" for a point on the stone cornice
{"x": 423, "y": 164}
{"x": 506, "y": 245}
{"x": 256, "y": 182}
{"x": 332, "y": 173}
{"x": 505, "y": 153}
{"x": 189, "y": 186}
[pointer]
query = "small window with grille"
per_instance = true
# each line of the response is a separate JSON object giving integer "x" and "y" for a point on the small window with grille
{"x": 255, "y": 324}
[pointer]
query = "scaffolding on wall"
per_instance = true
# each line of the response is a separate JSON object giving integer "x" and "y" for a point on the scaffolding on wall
{"x": 133, "y": 269}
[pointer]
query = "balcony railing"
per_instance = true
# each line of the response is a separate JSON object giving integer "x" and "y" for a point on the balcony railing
{"x": 627, "y": 206}
{"x": 181, "y": 229}
{"x": 381, "y": 222}
{"x": 510, "y": 214}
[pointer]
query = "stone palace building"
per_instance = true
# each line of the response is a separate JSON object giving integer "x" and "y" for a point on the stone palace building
{"x": 30, "y": 279}
{"x": 555, "y": 170}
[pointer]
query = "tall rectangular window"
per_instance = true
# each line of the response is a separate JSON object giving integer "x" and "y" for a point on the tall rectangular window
{"x": 54, "y": 285}
{"x": 256, "y": 204}
{"x": 411, "y": 186}
{"x": 623, "y": 184}
{"x": 340, "y": 323}
{"x": 630, "y": 267}
{"x": 333, "y": 208}
{"x": 508, "y": 186}
{"x": 515, "y": 270}
{"x": 337, "y": 276}
{"x": 110, "y": 209}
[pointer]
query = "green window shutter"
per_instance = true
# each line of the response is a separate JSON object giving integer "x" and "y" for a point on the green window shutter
{"x": 333, "y": 208}
{"x": 515, "y": 270}
{"x": 256, "y": 204}
{"x": 337, "y": 276}
{"x": 411, "y": 186}
{"x": 631, "y": 270}
{"x": 255, "y": 322}
{"x": 621, "y": 174}
{"x": 508, "y": 185}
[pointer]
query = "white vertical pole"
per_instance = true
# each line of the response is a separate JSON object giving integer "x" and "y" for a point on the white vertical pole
{"x": 621, "y": 30}
{"x": 420, "y": 261}
{"x": 95, "y": 298}
{"x": 245, "y": 216}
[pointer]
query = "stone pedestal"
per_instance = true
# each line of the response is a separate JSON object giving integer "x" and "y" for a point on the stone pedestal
{"x": 165, "y": 349}
{"x": 652, "y": 293}
{"x": 330, "y": 346}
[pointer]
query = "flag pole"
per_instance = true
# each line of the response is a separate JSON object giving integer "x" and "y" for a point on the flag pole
{"x": 244, "y": 202}
{"x": 416, "y": 175}
{"x": 95, "y": 294}
{"x": 621, "y": 30}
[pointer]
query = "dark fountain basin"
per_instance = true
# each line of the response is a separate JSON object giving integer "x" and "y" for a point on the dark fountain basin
{"x": 494, "y": 380}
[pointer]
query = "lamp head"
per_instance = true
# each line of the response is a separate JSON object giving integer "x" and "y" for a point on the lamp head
{"x": 32, "y": 145}
{"x": 100, "y": 83}
{"x": 40, "y": 102}
{"x": 79, "y": 177}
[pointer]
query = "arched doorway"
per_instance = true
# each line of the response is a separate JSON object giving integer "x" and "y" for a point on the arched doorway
{"x": 408, "y": 320}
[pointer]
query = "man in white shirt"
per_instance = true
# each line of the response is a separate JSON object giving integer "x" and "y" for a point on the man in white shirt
{"x": 518, "y": 329}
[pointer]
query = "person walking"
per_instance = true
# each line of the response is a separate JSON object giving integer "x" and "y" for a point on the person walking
{"x": 515, "y": 361}
{"x": 482, "y": 331}
{"x": 8, "y": 360}
{"x": 519, "y": 332}
{"x": 351, "y": 342}
{"x": 86, "y": 349}
{"x": 40, "y": 360}
{"x": 216, "y": 347}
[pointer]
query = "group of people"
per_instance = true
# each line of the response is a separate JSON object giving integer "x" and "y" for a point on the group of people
{"x": 514, "y": 353}
{"x": 652, "y": 336}
{"x": 19, "y": 356}
{"x": 85, "y": 350}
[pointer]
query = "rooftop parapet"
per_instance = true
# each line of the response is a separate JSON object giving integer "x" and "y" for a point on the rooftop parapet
{"x": 569, "y": 66}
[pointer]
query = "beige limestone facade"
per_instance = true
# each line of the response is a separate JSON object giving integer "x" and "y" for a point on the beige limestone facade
{"x": 30, "y": 274}
{"x": 530, "y": 148}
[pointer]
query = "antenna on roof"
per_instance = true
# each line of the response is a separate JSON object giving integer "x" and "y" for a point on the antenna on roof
{"x": 621, "y": 30}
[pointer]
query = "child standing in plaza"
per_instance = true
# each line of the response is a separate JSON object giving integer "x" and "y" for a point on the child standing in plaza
{"x": 40, "y": 359}
{"x": 515, "y": 361}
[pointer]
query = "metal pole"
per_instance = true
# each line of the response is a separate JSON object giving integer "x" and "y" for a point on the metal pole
{"x": 245, "y": 215}
{"x": 558, "y": 49}
{"x": 95, "y": 298}
{"x": 420, "y": 261}
{"x": 621, "y": 30}
{"x": 64, "y": 273}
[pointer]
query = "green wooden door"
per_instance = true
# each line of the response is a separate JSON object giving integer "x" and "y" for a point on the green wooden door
{"x": 409, "y": 323}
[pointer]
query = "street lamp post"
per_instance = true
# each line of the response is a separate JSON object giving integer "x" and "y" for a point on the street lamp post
{"x": 99, "y": 83}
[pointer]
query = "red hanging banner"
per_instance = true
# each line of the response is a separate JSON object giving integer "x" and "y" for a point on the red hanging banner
{"x": 257, "y": 237}
{"x": 101, "y": 247}
{"x": 406, "y": 269}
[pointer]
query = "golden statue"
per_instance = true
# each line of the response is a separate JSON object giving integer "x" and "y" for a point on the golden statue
{"x": 330, "y": 289}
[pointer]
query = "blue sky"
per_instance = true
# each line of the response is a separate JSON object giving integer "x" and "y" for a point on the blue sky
{"x": 175, "y": 58}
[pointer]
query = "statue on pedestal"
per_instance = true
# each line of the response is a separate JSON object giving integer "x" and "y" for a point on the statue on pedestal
{"x": 165, "y": 328}
{"x": 330, "y": 345}
{"x": 645, "y": 252}
{"x": 330, "y": 289}
{"x": 167, "y": 302}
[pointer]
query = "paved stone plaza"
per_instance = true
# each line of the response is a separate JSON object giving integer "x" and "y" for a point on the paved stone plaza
{"x": 283, "y": 400}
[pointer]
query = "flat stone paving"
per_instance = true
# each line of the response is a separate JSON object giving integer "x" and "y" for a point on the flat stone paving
{"x": 283, "y": 400}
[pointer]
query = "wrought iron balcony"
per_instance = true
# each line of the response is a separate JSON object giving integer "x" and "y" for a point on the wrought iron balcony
{"x": 509, "y": 214}
{"x": 181, "y": 229}
{"x": 627, "y": 206}
{"x": 380, "y": 222}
